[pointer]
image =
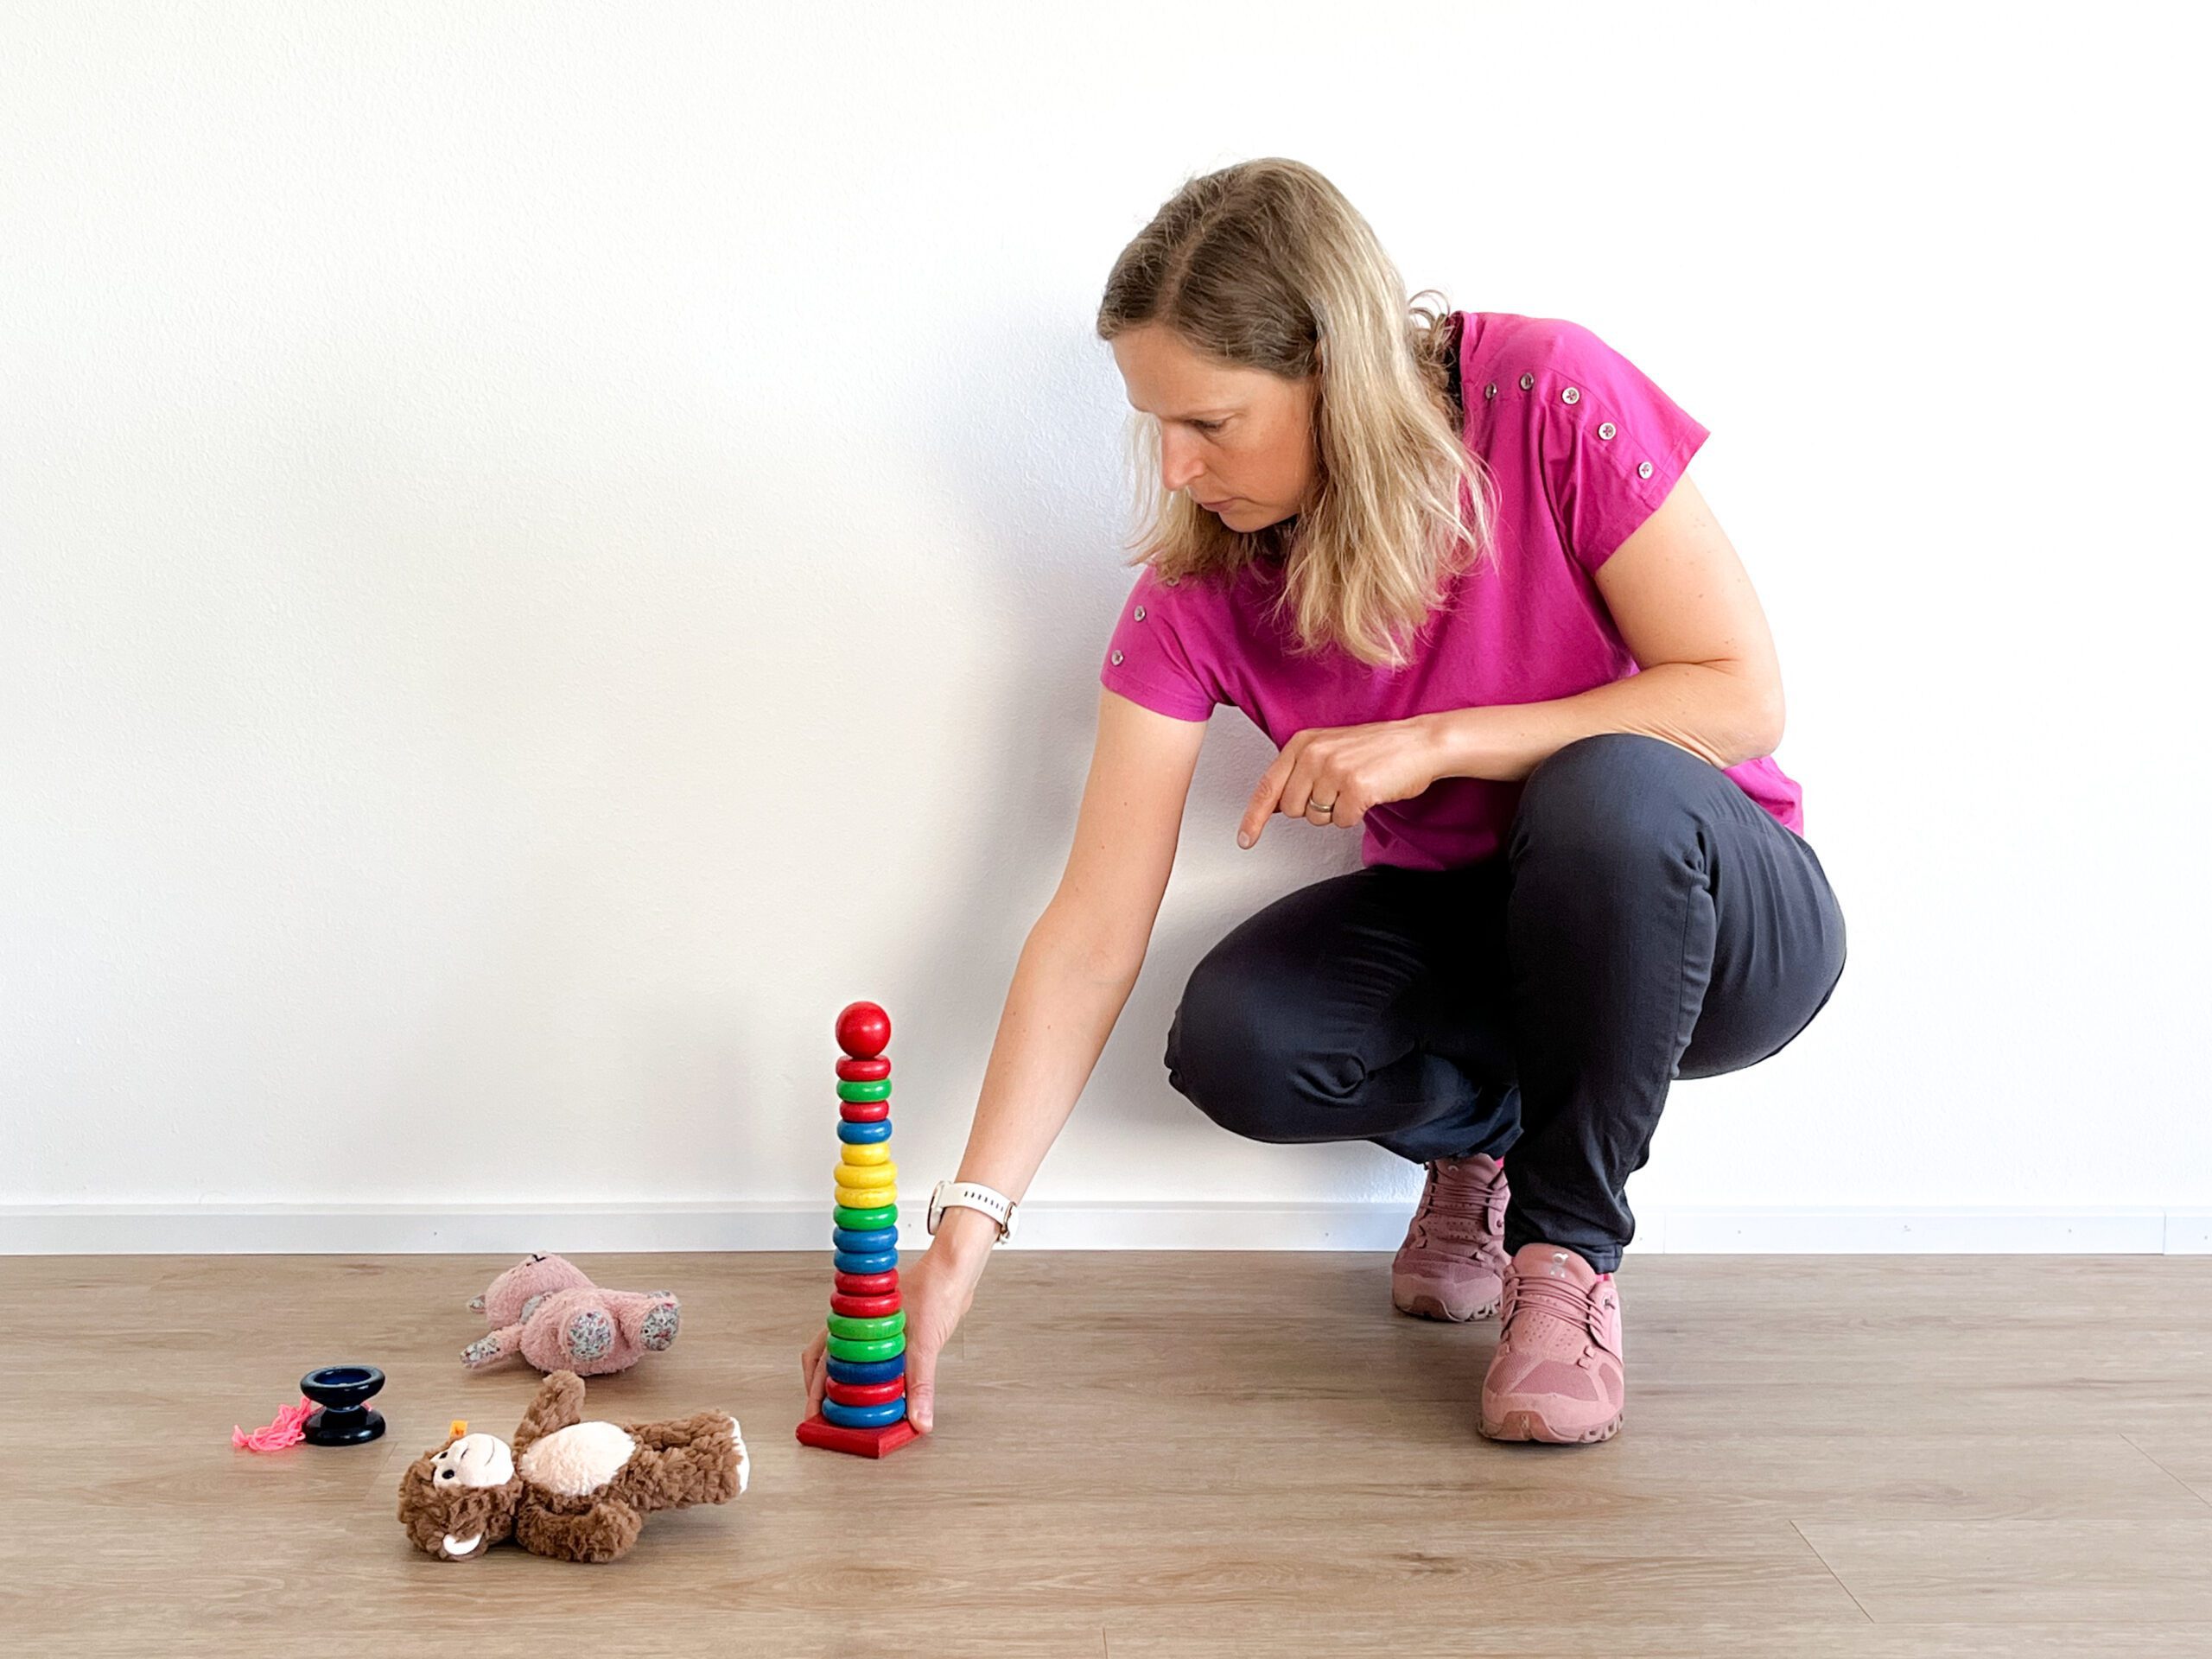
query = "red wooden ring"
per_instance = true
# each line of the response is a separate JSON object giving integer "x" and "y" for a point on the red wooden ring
{"x": 865, "y": 1308}
{"x": 864, "y": 1394}
{"x": 868, "y": 1284}
{"x": 863, "y": 1111}
{"x": 864, "y": 1071}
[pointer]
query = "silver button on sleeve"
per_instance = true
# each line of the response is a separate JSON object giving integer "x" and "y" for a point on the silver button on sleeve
{"x": 1643, "y": 469}
{"x": 1570, "y": 396}
{"x": 1527, "y": 381}
{"x": 1607, "y": 429}
{"x": 1140, "y": 612}
{"x": 1117, "y": 659}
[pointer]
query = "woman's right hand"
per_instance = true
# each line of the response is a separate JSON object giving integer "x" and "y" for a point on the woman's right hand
{"x": 934, "y": 1294}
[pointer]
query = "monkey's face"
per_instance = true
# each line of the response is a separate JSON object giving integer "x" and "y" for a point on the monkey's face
{"x": 458, "y": 1501}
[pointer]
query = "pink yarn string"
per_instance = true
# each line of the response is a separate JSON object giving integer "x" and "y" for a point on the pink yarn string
{"x": 288, "y": 1429}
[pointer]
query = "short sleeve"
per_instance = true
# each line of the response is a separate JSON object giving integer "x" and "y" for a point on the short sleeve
{"x": 1612, "y": 443}
{"x": 1148, "y": 661}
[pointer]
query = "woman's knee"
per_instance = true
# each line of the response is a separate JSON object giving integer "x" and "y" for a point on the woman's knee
{"x": 1234, "y": 1052}
{"x": 1613, "y": 795}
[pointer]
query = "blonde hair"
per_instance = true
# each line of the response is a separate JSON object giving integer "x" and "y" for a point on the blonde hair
{"x": 1265, "y": 265}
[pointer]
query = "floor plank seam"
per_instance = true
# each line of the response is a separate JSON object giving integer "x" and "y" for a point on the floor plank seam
{"x": 2169, "y": 1473}
{"x": 1831, "y": 1572}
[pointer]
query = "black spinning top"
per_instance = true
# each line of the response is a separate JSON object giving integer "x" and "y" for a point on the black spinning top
{"x": 343, "y": 1392}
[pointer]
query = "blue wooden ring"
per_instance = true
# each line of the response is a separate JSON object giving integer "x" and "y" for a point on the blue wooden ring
{"x": 864, "y": 1134}
{"x": 856, "y": 1241}
{"x": 872, "y": 1262}
{"x": 864, "y": 1417}
{"x": 868, "y": 1370}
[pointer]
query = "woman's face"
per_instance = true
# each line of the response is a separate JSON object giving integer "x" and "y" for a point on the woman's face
{"x": 1240, "y": 440}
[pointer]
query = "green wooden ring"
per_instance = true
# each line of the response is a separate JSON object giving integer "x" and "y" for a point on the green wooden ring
{"x": 886, "y": 1348}
{"x": 854, "y": 1329}
{"x": 865, "y": 1090}
{"x": 864, "y": 1221}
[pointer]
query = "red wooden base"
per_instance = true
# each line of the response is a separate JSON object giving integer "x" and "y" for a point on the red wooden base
{"x": 817, "y": 1430}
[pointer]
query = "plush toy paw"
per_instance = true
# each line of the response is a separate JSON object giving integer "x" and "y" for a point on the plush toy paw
{"x": 588, "y": 1336}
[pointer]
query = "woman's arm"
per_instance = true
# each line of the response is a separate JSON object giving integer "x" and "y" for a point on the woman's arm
{"x": 1076, "y": 970}
{"x": 1709, "y": 683}
{"x": 1082, "y": 958}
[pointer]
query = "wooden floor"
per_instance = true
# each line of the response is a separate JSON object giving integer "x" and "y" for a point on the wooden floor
{"x": 1156, "y": 1454}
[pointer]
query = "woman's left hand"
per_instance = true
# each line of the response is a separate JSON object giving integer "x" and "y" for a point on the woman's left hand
{"x": 1345, "y": 768}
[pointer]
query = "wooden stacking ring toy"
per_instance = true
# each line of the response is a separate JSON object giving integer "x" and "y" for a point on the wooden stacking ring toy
{"x": 863, "y": 1410}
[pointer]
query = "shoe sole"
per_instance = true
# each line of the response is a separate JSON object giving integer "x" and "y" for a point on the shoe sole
{"x": 1423, "y": 1305}
{"x": 1530, "y": 1424}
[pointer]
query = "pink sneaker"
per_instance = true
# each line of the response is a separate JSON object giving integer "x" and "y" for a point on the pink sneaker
{"x": 1557, "y": 1373}
{"x": 1451, "y": 1264}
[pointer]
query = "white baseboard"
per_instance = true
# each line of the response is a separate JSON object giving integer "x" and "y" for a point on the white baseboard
{"x": 380, "y": 1230}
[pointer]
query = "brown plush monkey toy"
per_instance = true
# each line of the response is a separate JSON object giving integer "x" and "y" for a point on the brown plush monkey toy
{"x": 575, "y": 1491}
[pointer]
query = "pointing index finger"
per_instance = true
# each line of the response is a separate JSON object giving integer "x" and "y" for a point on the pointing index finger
{"x": 1266, "y": 798}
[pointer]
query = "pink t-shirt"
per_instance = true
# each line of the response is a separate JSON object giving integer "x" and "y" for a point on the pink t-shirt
{"x": 1582, "y": 453}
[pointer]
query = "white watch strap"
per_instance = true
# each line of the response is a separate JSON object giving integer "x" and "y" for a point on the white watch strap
{"x": 973, "y": 1195}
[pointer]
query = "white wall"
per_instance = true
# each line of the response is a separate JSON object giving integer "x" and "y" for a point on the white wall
{"x": 545, "y": 549}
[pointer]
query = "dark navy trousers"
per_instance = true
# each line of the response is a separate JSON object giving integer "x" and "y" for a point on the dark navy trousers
{"x": 1645, "y": 920}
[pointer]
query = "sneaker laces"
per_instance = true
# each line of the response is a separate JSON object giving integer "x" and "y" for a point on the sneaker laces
{"x": 1461, "y": 1204}
{"x": 1560, "y": 1298}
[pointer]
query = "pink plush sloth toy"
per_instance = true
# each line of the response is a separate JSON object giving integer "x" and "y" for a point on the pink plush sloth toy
{"x": 546, "y": 1310}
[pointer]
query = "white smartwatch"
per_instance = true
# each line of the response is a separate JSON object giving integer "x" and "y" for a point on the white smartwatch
{"x": 973, "y": 1195}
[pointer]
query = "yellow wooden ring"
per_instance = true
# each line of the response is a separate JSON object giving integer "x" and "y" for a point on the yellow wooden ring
{"x": 878, "y": 1153}
{"x": 882, "y": 1174}
{"x": 866, "y": 1198}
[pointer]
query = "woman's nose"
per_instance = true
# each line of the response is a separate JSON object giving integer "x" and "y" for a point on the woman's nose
{"x": 1177, "y": 469}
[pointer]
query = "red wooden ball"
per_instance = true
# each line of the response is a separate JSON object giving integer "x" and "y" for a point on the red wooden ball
{"x": 863, "y": 1030}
